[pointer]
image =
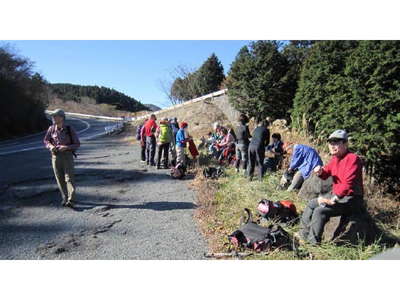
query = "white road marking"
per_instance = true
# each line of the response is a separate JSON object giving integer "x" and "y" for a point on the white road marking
{"x": 42, "y": 147}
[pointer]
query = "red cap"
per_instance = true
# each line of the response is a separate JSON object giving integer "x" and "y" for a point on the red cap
{"x": 183, "y": 125}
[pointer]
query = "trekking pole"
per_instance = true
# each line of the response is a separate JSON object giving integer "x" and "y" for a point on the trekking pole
{"x": 237, "y": 255}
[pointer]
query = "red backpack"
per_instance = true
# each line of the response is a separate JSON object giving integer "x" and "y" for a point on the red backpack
{"x": 283, "y": 211}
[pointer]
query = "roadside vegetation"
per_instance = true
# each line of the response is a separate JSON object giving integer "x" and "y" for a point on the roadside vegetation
{"x": 23, "y": 96}
{"x": 221, "y": 205}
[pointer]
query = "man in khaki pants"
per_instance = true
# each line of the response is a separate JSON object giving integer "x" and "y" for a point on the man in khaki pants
{"x": 62, "y": 141}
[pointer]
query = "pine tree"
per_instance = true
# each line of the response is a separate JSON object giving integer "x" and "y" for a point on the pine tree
{"x": 257, "y": 83}
{"x": 209, "y": 76}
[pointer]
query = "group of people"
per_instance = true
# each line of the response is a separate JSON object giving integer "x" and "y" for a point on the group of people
{"x": 170, "y": 138}
{"x": 345, "y": 168}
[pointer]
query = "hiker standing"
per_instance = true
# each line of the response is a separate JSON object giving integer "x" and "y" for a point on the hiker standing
{"x": 182, "y": 137}
{"x": 150, "y": 128}
{"x": 164, "y": 135}
{"x": 259, "y": 140}
{"x": 140, "y": 136}
{"x": 304, "y": 160}
{"x": 62, "y": 141}
{"x": 345, "y": 168}
{"x": 242, "y": 146}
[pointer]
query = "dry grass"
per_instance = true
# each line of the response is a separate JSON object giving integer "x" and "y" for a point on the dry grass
{"x": 90, "y": 108}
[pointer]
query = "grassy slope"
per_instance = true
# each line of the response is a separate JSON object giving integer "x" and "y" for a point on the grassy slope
{"x": 220, "y": 212}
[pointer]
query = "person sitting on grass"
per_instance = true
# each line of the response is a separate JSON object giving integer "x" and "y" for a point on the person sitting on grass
{"x": 274, "y": 153}
{"x": 303, "y": 160}
{"x": 227, "y": 141}
{"x": 346, "y": 199}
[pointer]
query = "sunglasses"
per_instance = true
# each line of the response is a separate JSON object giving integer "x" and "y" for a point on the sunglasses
{"x": 335, "y": 141}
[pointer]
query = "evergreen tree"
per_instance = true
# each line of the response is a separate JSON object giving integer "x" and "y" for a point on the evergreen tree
{"x": 354, "y": 86}
{"x": 209, "y": 76}
{"x": 257, "y": 82}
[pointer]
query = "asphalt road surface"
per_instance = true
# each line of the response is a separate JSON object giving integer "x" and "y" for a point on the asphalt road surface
{"x": 87, "y": 128}
{"x": 124, "y": 210}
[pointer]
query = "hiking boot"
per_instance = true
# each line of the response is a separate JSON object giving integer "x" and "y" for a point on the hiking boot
{"x": 69, "y": 204}
{"x": 63, "y": 203}
{"x": 153, "y": 164}
{"x": 158, "y": 167}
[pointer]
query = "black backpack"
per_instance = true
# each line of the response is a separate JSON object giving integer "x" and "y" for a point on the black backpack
{"x": 259, "y": 238}
{"x": 213, "y": 173}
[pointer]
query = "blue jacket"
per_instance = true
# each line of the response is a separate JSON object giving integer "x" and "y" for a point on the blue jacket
{"x": 180, "y": 138}
{"x": 305, "y": 159}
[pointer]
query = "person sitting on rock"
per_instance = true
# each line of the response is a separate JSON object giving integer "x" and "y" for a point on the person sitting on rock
{"x": 303, "y": 160}
{"x": 274, "y": 153}
{"x": 345, "y": 168}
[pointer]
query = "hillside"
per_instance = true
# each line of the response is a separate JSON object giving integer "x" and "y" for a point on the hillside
{"x": 152, "y": 107}
{"x": 95, "y": 95}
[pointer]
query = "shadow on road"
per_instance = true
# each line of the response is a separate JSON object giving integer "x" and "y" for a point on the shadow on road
{"x": 157, "y": 205}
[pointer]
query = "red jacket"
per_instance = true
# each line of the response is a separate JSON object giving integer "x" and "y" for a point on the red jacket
{"x": 346, "y": 173}
{"x": 148, "y": 127}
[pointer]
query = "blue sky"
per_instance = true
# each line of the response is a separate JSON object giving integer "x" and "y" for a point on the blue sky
{"x": 132, "y": 67}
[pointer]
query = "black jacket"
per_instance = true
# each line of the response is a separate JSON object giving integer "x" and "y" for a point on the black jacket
{"x": 260, "y": 137}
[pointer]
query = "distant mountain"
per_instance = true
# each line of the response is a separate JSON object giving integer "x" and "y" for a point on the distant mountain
{"x": 89, "y": 94}
{"x": 152, "y": 107}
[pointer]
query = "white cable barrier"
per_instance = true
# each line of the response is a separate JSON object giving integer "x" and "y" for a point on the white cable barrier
{"x": 208, "y": 96}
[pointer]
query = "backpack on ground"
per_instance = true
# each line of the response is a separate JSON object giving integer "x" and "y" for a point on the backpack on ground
{"x": 281, "y": 211}
{"x": 178, "y": 172}
{"x": 259, "y": 238}
{"x": 213, "y": 173}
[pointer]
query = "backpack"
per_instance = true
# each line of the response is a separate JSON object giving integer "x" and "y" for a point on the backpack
{"x": 70, "y": 137}
{"x": 213, "y": 173}
{"x": 178, "y": 172}
{"x": 282, "y": 211}
{"x": 259, "y": 238}
{"x": 138, "y": 131}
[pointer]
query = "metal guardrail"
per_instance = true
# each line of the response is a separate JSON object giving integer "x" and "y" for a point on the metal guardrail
{"x": 114, "y": 128}
{"x": 90, "y": 116}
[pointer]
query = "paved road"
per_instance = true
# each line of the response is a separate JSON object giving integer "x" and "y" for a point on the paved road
{"x": 124, "y": 211}
{"x": 86, "y": 127}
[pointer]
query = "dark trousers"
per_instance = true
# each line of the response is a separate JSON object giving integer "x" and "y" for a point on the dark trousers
{"x": 315, "y": 216}
{"x": 143, "y": 152}
{"x": 163, "y": 148}
{"x": 256, "y": 158}
{"x": 242, "y": 155}
{"x": 150, "y": 149}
